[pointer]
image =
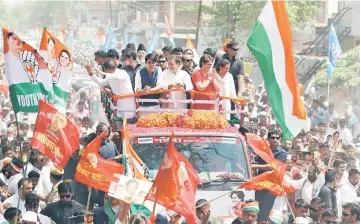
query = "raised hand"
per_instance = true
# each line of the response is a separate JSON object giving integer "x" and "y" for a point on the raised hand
{"x": 27, "y": 59}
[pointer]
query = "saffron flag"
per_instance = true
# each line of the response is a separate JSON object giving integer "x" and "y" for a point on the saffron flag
{"x": 175, "y": 184}
{"x": 134, "y": 165}
{"x": 262, "y": 149}
{"x": 25, "y": 73}
{"x": 169, "y": 30}
{"x": 55, "y": 135}
{"x": 269, "y": 181}
{"x": 96, "y": 172}
{"x": 271, "y": 44}
{"x": 334, "y": 51}
{"x": 60, "y": 64}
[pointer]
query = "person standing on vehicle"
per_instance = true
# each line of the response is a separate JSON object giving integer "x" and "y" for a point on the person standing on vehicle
{"x": 99, "y": 57}
{"x": 147, "y": 79}
{"x": 132, "y": 65}
{"x": 119, "y": 82}
{"x": 236, "y": 66}
{"x": 141, "y": 53}
{"x": 204, "y": 80}
{"x": 265, "y": 198}
{"x": 226, "y": 84}
{"x": 175, "y": 78}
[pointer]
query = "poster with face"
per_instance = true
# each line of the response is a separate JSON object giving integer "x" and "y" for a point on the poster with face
{"x": 60, "y": 64}
{"x": 25, "y": 70}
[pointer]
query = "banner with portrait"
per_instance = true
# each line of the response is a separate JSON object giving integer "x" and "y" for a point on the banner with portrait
{"x": 96, "y": 172}
{"x": 55, "y": 135}
{"x": 26, "y": 72}
{"x": 60, "y": 64}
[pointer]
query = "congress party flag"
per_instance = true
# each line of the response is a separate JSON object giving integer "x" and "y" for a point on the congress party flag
{"x": 60, "y": 65}
{"x": 334, "y": 51}
{"x": 25, "y": 73}
{"x": 55, "y": 135}
{"x": 169, "y": 30}
{"x": 175, "y": 184}
{"x": 96, "y": 172}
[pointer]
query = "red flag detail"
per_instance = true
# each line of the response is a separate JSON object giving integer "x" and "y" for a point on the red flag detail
{"x": 268, "y": 181}
{"x": 175, "y": 184}
{"x": 96, "y": 172}
{"x": 55, "y": 135}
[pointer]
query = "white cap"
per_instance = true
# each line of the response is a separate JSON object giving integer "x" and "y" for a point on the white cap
{"x": 301, "y": 220}
{"x": 30, "y": 217}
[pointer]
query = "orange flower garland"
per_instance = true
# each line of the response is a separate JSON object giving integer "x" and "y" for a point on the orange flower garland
{"x": 194, "y": 119}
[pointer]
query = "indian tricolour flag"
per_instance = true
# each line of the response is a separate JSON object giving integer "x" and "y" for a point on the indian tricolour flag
{"x": 271, "y": 44}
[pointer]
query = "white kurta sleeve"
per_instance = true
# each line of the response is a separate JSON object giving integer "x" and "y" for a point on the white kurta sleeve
{"x": 188, "y": 82}
{"x": 138, "y": 81}
{"x": 101, "y": 82}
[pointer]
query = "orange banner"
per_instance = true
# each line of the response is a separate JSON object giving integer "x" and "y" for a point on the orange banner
{"x": 96, "y": 172}
{"x": 138, "y": 94}
{"x": 55, "y": 135}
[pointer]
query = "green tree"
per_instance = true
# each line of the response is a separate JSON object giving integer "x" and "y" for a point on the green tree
{"x": 346, "y": 73}
{"x": 227, "y": 16}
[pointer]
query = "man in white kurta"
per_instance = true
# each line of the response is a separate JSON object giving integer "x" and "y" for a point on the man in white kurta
{"x": 175, "y": 78}
{"x": 119, "y": 82}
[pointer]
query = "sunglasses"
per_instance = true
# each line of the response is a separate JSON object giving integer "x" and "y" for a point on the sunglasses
{"x": 162, "y": 61}
{"x": 346, "y": 214}
{"x": 235, "y": 49}
{"x": 275, "y": 138}
{"x": 64, "y": 196}
{"x": 331, "y": 222}
{"x": 187, "y": 60}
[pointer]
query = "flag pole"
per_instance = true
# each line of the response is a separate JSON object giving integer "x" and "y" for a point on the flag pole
{"x": 328, "y": 89}
{"x": 288, "y": 203}
{"x": 140, "y": 207}
{"x": 228, "y": 192}
{"x": 88, "y": 201}
{"x": 155, "y": 203}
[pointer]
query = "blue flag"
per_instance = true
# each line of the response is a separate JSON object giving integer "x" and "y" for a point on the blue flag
{"x": 334, "y": 51}
{"x": 110, "y": 42}
{"x": 154, "y": 41}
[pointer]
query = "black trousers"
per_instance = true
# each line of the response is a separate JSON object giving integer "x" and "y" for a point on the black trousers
{"x": 266, "y": 200}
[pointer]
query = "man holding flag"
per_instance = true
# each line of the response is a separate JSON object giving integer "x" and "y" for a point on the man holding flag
{"x": 265, "y": 197}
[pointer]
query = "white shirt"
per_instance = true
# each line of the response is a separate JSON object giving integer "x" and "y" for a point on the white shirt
{"x": 305, "y": 188}
{"x": 120, "y": 83}
{"x": 345, "y": 135}
{"x": 13, "y": 200}
{"x": 227, "y": 88}
{"x": 138, "y": 79}
{"x": 168, "y": 78}
{"x": 348, "y": 193}
{"x": 44, "y": 219}
{"x": 13, "y": 183}
{"x": 44, "y": 185}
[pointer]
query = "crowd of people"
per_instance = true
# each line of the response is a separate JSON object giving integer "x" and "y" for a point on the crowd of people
{"x": 322, "y": 162}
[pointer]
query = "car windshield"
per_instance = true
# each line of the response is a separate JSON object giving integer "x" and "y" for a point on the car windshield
{"x": 214, "y": 158}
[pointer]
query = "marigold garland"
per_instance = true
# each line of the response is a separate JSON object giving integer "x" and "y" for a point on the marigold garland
{"x": 194, "y": 119}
